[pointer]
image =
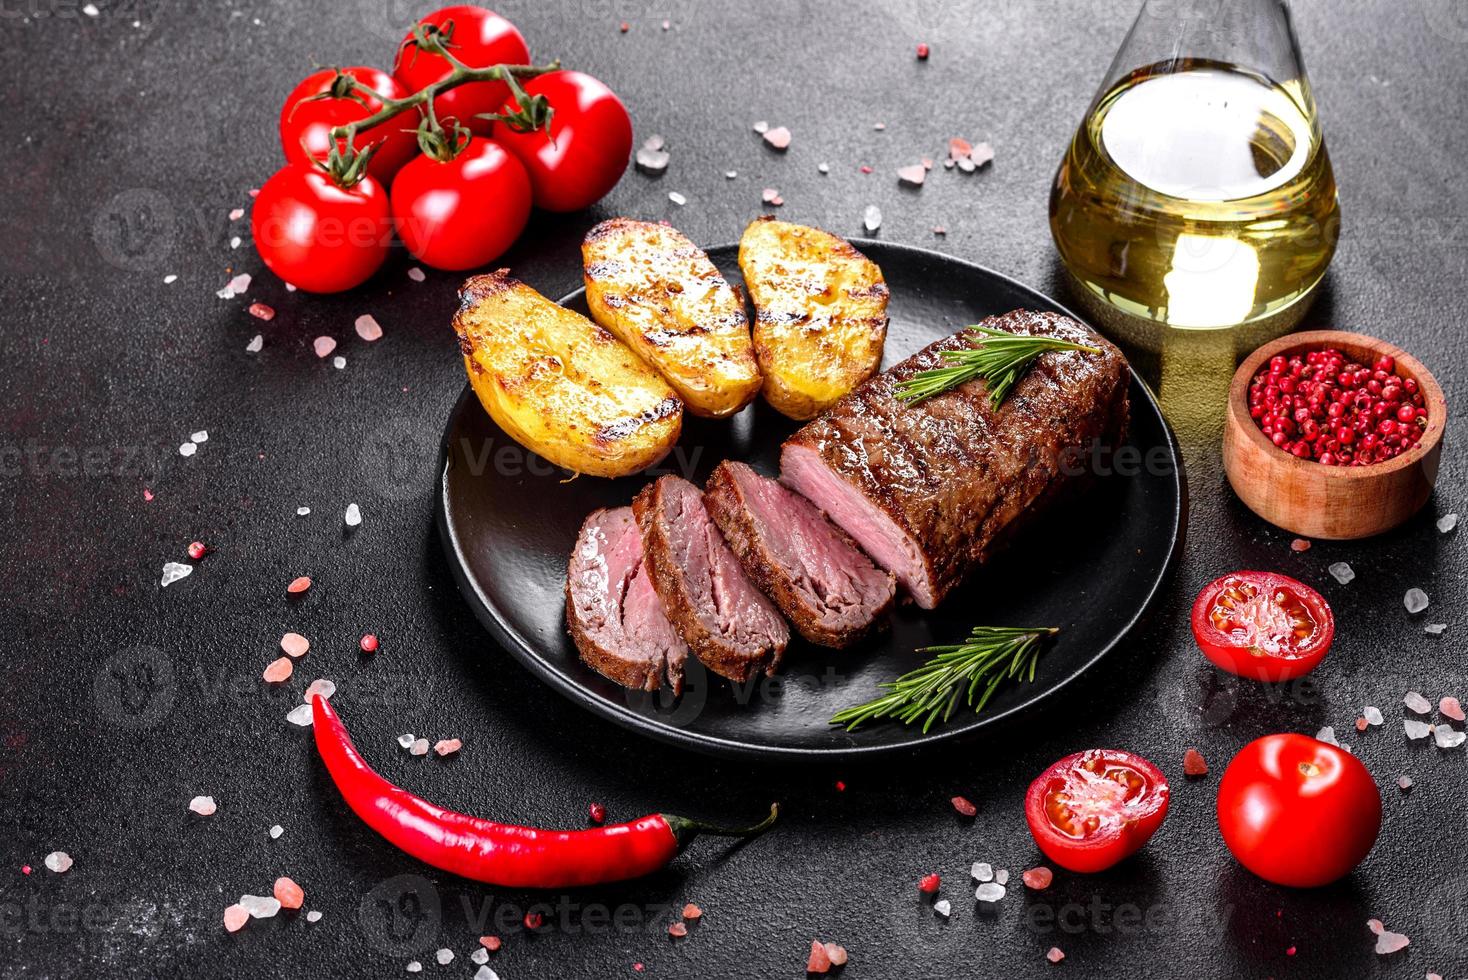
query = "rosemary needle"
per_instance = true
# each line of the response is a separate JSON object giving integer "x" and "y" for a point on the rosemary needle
{"x": 932, "y": 692}
{"x": 1001, "y": 359}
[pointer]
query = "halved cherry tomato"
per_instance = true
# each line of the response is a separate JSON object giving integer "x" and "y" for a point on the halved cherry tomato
{"x": 1262, "y": 625}
{"x": 307, "y": 119}
{"x": 316, "y": 235}
{"x": 1297, "y": 811}
{"x": 464, "y": 212}
{"x": 1092, "y": 809}
{"x": 589, "y": 145}
{"x": 476, "y": 37}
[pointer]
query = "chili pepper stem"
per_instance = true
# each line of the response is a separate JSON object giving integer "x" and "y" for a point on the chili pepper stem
{"x": 685, "y": 829}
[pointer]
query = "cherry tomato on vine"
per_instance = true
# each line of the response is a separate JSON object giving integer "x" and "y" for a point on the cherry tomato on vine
{"x": 478, "y": 38}
{"x": 1262, "y": 625}
{"x": 589, "y": 146}
{"x": 465, "y": 211}
{"x": 1297, "y": 811}
{"x": 316, "y": 235}
{"x": 1092, "y": 809}
{"x": 306, "y": 122}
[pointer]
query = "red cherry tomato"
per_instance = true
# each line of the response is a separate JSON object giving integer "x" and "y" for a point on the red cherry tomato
{"x": 589, "y": 146}
{"x": 306, "y": 122}
{"x": 464, "y": 212}
{"x": 318, "y": 236}
{"x": 1296, "y": 811}
{"x": 1263, "y": 625}
{"x": 478, "y": 38}
{"x": 1092, "y": 809}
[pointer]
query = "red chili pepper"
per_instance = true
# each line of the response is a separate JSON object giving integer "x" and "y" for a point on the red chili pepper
{"x": 496, "y": 853}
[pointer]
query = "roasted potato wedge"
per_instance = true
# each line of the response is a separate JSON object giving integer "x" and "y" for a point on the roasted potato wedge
{"x": 820, "y": 314}
{"x": 660, "y": 294}
{"x": 560, "y": 385}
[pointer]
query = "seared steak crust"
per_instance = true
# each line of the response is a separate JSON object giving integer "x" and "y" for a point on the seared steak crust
{"x": 928, "y": 490}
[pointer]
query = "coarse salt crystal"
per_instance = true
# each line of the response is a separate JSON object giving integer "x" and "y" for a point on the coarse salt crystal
{"x": 444, "y": 956}
{"x": 730, "y": 174}
{"x": 235, "y": 241}
{"x": 173, "y": 571}
{"x": 1342, "y": 572}
{"x": 275, "y": 831}
{"x": 260, "y": 906}
{"x": 1447, "y": 522}
{"x": 302, "y": 511}
{"x": 368, "y": 328}
{"x": 321, "y": 687}
{"x": 313, "y": 916}
{"x": 300, "y": 715}
{"x": 323, "y": 346}
{"x": 1372, "y": 714}
{"x": 823, "y": 168}
{"x": 943, "y": 907}
{"x": 419, "y": 747}
{"x": 170, "y": 279}
{"x": 406, "y": 740}
{"x": 1448, "y": 737}
{"x": 836, "y": 954}
{"x": 1002, "y": 876}
{"x": 480, "y": 955}
{"x": 239, "y": 284}
{"x": 203, "y": 806}
{"x": 761, "y": 127}
{"x": 1416, "y": 729}
{"x": 353, "y": 515}
{"x": 416, "y": 274}
{"x": 982, "y": 871}
{"x": 912, "y": 175}
{"x": 677, "y": 198}
{"x": 256, "y": 342}
{"x": 236, "y": 214}
{"x": 1415, "y": 600}
{"x": 1391, "y": 942}
{"x": 338, "y": 362}
{"x": 652, "y": 160}
{"x": 294, "y": 644}
{"x": 58, "y": 861}
{"x": 981, "y": 155}
{"x": 447, "y": 746}
{"x": 485, "y": 973}
{"x": 188, "y": 449}
{"x": 989, "y": 893}
{"x": 1327, "y": 735}
{"x": 871, "y": 218}
{"x": 1404, "y": 783}
{"x": 414, "y": 966}
{"x": 1417, "y": 703}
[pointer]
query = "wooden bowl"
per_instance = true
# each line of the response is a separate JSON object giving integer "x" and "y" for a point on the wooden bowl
{"x": 1330, "y": 502}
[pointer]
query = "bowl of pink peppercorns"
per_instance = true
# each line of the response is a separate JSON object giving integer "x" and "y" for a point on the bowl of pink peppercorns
{"x": 1333, "y": 435}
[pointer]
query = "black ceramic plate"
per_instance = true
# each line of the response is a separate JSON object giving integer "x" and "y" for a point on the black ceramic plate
{"x": 509, "y": 519}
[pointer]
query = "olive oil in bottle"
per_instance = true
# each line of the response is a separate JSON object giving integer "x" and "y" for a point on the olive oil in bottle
{"x": 1196, "y": 195}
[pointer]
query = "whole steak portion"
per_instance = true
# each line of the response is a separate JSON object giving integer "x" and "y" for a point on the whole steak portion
{"x": 730, "y": 626}
{"x": 929, "y": 490}
{"x": 821, "y": 581}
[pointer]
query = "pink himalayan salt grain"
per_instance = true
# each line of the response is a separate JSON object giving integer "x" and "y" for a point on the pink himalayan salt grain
{"x": 779, "y": 137}
{"x": 197, "y": 550}
{"x": 368, "y": 328}
{"x": 1299, "y": 544}
{"x": 25, "y": 869}
{"x": 235, "y": 918}
{"x": 369, "y": 643}
{"x": 1361, "y": 724}
{"x": 819, "y": 960}
{"x": 1375, "y": 925}
{"x": 491, "y": 943}
{"x": 963, "y": 807}
{"x": 447, "y": 746}
{"x": 691, "y": 911}
{"x": 865, "y": 169}
{"x": 1039, "y": 878}
{"x": 1055, "y": 955}
{"x": 323, "y": 346}
{"x": 1450, "y": 708}
{"x": 289, "y": 894}
{"x": 678, "y": 929}
{"x": 294, "y": 643}
{"x": 236, "y": 214}
{"x": 836, "y": 954}
{"x": 1194, "y": 764}
{"x": 279, "y": 670}
{"x": 958, "y": 147}
{"x": 1391, "y": 942}
{"x": 299, "y": 585}
{"x": 261, "y": 311}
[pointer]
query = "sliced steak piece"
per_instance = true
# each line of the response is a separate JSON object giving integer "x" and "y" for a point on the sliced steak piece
{"x": 614, "y": 614}
{"x": 929, "y": 490}
{"x": 717, "y": 610}
{"x": 815, "y": 573}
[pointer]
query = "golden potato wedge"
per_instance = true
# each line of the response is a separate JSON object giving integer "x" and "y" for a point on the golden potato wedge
{"x": 820, "y": 314}
{"x": 660, "y": 294}
{"x": 560, "y": 385}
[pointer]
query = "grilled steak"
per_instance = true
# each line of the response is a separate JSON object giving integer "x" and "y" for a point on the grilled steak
{"x": 612, "y": 610}
{"x": 928, "y": 490}
{"x": 815, "y": 573}
{"x": 717, "y": 610}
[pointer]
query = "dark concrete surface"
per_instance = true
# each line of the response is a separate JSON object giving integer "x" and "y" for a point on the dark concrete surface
{"x": 130, "y": 135}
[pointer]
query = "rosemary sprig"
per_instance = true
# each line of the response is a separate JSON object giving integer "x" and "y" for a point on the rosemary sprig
{"x": 1001, "y": 359}
{"x": 989, "y": 656}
